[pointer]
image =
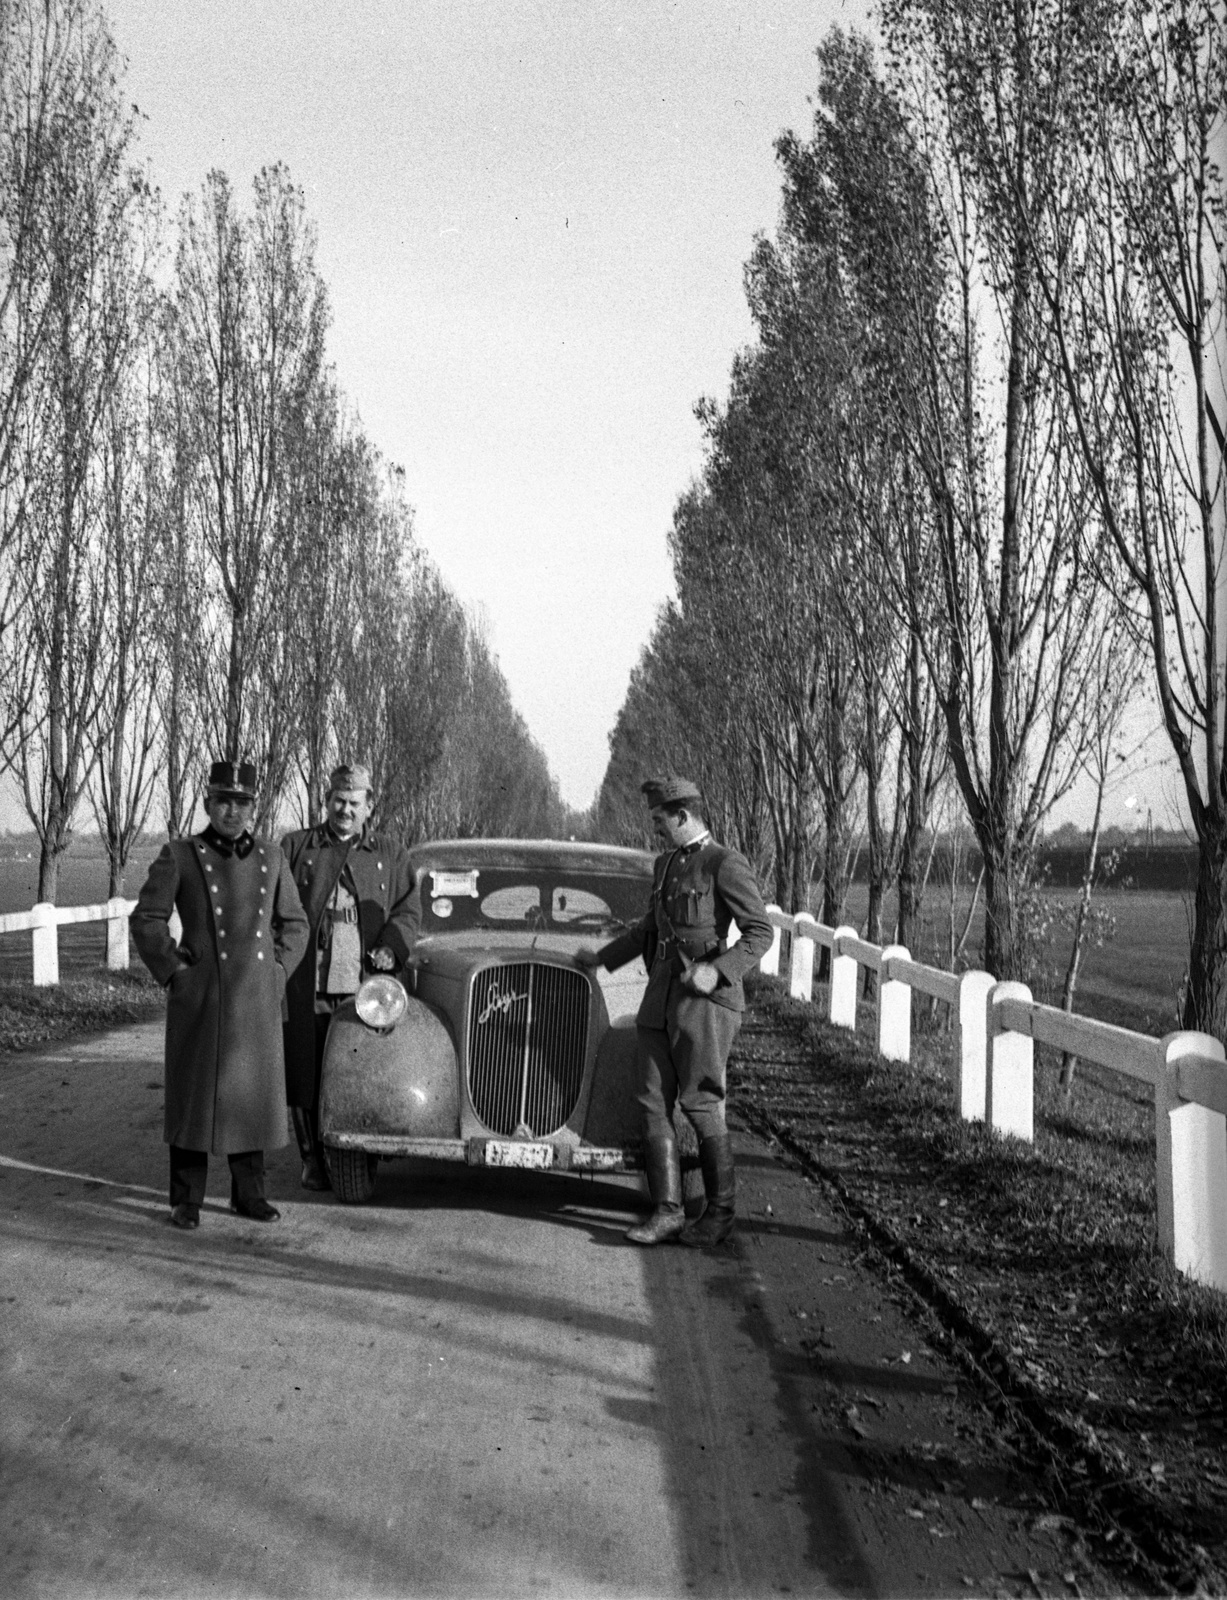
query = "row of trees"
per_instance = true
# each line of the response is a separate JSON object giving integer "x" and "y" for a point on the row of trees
{"x": 200, "y": 551}
{"x": 965, "y": 500}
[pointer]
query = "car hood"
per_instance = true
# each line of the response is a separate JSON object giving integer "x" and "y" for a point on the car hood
{"x": 455, "y": 953}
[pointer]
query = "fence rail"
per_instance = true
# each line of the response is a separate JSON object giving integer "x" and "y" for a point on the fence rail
{"x": 999, "y": 1025}
{"x": 43, "y": 919}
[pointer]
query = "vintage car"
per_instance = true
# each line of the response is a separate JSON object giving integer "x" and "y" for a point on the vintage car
{"x": 499, "y": 1049}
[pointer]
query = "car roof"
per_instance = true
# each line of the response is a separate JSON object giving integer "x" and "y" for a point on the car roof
{"x": 533, "y": 855}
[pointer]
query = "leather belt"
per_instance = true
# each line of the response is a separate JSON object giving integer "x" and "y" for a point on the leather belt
{"x": 346, "y": 914}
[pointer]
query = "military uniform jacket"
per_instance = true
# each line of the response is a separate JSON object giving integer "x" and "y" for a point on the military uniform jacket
{"x": 244, "y": 931}
{"x": 696, "y": 892}
{"x": 389, "y": 914}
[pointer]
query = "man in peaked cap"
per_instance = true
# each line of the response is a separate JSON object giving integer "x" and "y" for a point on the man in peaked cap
{"x": 691, "y": 1009}
{"x": 362, "y": 906}
{"x": 243, "y": 932}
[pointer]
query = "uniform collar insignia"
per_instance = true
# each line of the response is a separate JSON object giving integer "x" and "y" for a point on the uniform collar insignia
{"x": 241, "y": 847}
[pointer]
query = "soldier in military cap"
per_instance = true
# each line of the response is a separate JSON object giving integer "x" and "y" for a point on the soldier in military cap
{"x": 691, "y": 1009}
{"x": 362, "y": 906}
{"x": 243, "y": 932}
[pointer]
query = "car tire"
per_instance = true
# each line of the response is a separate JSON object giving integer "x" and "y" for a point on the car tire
{"x": 352, "y": 1173}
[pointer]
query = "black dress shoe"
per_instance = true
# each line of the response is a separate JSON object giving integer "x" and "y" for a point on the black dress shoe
{"x": 256, "y": 1211}
{"x": 314, "y": 1175}
{"x": 185, "y": 1216}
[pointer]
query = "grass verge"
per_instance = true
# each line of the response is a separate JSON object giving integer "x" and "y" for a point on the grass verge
{"x": 1042, "y": 1258}
{"x": 82, "y": 1003}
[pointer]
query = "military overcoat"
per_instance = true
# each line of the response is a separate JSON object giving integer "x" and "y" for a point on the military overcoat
{"x": 697, "y": 892}
{"x": 389, "y": 915}
{"x": 244, "y": 931}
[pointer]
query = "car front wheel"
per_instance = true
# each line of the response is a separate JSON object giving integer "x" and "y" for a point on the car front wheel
{"x": 352, "y": 1173}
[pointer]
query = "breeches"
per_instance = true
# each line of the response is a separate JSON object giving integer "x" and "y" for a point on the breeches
{"x": 686, "y": 1062}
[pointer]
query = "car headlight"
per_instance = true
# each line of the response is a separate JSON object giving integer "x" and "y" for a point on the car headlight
{"x": 381, "y": 1002}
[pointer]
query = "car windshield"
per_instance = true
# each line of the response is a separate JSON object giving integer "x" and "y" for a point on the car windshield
{"x": 538, "y": 899}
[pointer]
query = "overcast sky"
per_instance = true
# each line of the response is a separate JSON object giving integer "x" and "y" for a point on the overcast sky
{"x": 532, "y": 221}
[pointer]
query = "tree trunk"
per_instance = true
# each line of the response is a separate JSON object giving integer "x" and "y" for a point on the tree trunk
{"x": 911, "y": 752}
{"x": 1205, "y": 1000}
{"x": 1003, "y": 955}
{"x": 1069, "y": 1063}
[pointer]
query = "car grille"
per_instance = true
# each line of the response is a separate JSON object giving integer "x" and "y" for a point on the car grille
{"x": 528, "y": 1035}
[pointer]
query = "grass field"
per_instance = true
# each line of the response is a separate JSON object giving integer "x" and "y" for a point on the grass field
{"x": 1131, "y": 973}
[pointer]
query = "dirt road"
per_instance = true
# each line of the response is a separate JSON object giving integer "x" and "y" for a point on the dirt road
{"x": 471, "y": 1387}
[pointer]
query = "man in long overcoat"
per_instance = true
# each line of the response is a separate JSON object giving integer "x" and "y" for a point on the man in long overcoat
{"x": 691, "y": 1009}
{"x": 358, "y": 890}
{"x": 243, "y": 932}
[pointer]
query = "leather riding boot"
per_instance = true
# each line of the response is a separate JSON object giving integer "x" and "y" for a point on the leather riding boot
{"x": 301, "y": 1119}
{"x": 665, "y": 1187}
{"x": 306, "y": 1131}
{"x": 720, "y": 1181}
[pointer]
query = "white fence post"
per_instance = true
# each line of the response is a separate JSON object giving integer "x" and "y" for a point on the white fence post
{"x": 45, "y": 945}
{"x": 971, "y": 1070}
{"x": 1010, "y": 1095}
{"x": 843, "y": 982}
{"x": 894, "y": 1008}
{"x": 801, "y": 974}
{"x": 1191, "y": 1166}
{"x": 770, "y": 964}
{"x": 117, "y": 935}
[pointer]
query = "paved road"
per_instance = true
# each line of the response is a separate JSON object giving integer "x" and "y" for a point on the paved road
{"x": 470, "y": 1387}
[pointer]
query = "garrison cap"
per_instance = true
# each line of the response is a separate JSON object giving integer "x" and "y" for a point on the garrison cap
{"x": 349, "y": 775}
{"x": 670, "y": 791}
{"x": 233, "y": 778}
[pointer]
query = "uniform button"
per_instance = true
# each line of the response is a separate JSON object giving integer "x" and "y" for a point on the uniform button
{"x": 221, "y": 933}
{"x": 379, "y": 866}
{"x": 259, "y": 955}
{"x": 223, "y": 955}
{"x": 208, "y": 869}
{"x": 259, "y": 935}
{"x": 263, "y": 869}
{"x": 263, "y": 891}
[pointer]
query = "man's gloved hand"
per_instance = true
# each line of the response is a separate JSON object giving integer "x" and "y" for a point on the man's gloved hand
{"x": 588, "y": 957}
{"x": 382, "y": 960}
{"x": 703, "y": 978}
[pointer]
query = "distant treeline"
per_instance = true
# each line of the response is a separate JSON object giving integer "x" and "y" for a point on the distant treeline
{"x": 1167, "y": 865}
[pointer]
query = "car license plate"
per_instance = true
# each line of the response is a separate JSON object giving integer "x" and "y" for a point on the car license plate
{"x": 516, "y": 1153}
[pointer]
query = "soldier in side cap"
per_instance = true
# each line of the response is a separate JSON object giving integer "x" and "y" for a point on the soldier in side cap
{"x": 363, "y": 909}
{"x": 243, "y": 932}
{"x": 691, "y": 1009}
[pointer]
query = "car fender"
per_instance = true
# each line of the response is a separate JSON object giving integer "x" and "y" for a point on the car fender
{"x": 400, "y": 1080}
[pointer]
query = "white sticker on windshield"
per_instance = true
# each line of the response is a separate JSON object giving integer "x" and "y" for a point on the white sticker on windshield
{"x": 441, "y": 908}
{"x": 453, "y": 883}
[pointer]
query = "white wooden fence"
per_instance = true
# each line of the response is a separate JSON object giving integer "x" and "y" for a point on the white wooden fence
{"x": 999, "y": 1025}
{"x": 43, "y": 919}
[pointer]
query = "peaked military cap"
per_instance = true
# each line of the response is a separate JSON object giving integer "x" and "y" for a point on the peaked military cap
{"x": 349, "y": 775}
{"x": 237, "y": 778}
{"x": 670, "y": 791}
